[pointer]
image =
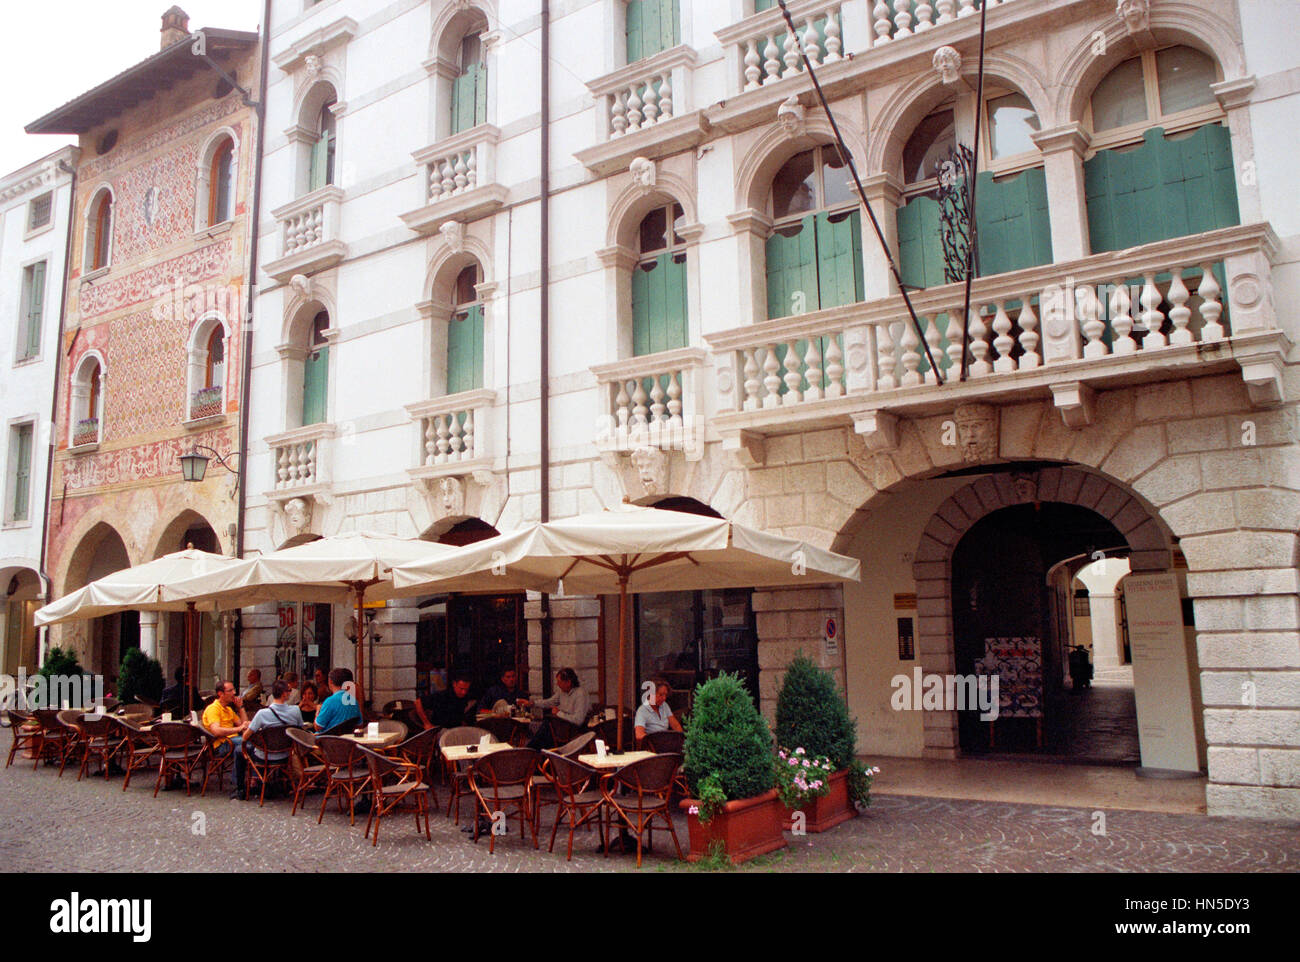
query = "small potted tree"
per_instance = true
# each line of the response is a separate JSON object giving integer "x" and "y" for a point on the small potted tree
{"x": 814, "y": 728}
{"x": 139, "y": 675}
{"x": 728, "y": 767}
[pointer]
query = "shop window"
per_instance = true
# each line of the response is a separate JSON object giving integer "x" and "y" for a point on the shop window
{"x": 652, "y": 26}
{"x": 465, "y": 333}
{"x": 659, "y": 284}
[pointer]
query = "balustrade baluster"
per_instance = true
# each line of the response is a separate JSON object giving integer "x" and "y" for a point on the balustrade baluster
{"x": 753, "y": 66}
{"x": 885, "y": 360}
{"x": 793, "y": 61}
{"x": 621, "y": 401}
{"x": 1180, "y": 314}
{"x": 772, "y": 65}
{"x": 934, "y": 340}
{"x": 633, "y": 110}
{"x": 793, "y": 375}
{"x": 674, "y": 398}
{"x": 435, "y": 181}
{"x": 650, "y": 103}
{"x": 1028, "y": 322}
{"x": 430, "y": 442}
{"x": 946, "y": 8}
{"x": 665, "y": 98}
{"x": 618, "y": 115}
{"x": 444, "y": 438}
{"x": 1088, "y": 309}
{"x": 911, "y": 356}
{"x": 967, "y": 8}
{"x": 457, "y": 442}
{"x": 1211, "y": 309}
{"x": 639, "y": 409}
{"x": 469, "y": 439}
{"x": 1121, "y": 322}
{"x": 834, "y": 367}
{"x": 882, "y": 23}
{"x": 460, "y": 173}
{"x": 751, "y": 382}
{"x": 1151, "y": 316}
{"x": 833, "y": 42}
{"x": 1003, "y": 342}
{"x": 282, "y": 467}
{"x": 772, "y": 381}
{"x": 812, "y": 47}
{"x": 448, "y": 177}
{"x": 657, "y": 396}
{"x": 954, "y": 343}
{"x": 812, "y": 360}
{"x": 471, "y": 168}
{"x": 903, "y": 18}
{"x": 979, "y": 347}
{"x": 924, "y": 16}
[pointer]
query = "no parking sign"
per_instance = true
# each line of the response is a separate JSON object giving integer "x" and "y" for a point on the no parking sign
{"x": 831, "y": 638}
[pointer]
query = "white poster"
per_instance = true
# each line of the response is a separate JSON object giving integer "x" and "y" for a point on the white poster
{"x": 1161, "y": 676}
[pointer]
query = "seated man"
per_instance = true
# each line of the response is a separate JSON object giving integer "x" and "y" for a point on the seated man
{"x": 506, "y": 690}
{"x": 295, "y": 693}
{"x": 226, "y": 719}
{"x": 570, "y": 703}
{"x": 341, "y": 705}
{"x": 279, "y": 712}
{"x": 656, "y": 716}
{"x": 174, "y": 695}
{"x": 448, "y": 708}
{"x": 253, "y": 693}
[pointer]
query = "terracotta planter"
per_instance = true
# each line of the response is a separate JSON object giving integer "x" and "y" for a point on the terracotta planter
{"x": 748, "y": 827}
{"x": 822, "y": 814}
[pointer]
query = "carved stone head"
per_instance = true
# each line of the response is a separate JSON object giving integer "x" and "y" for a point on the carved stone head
{"x": 644, "y": 174}
{"x": 297, "y": 516}
{"x": 451, "y": 493}
{"x": 453, "y": 233}
{"x": 790, "y": 115}
{"x": 1026, "y": 486}
{"x": 977, "y": 432}
{"x": 947, "y": 61}
{"x": 1136, "y": 14}
{"x": 652, "y": 469}
{"x": 313, "y": 65}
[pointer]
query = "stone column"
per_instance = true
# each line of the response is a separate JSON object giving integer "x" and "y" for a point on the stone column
{"x": 793, "y": 620}
{"x": 884, "y": 193}
{"x": 1063, "y": 148}
{"x": 1234, "y": 96}
{"x": 257, "y": 646}
{"x": 149, "y": 633}
{"x": 575, "y": 631}
{"x": 751, "y": 229}
{"x": 394, "y": 652}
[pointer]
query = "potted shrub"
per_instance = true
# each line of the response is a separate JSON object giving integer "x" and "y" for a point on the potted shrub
{"x": 815, "y": 731}
{"x": 728, "y": 766}
{"x": 139, "y": 675}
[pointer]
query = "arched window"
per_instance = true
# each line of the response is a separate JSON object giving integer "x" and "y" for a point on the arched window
{"x": 465, "y": 333}
{"x": 323, "y": 149}
{"x": 99, "y": 231}
{"x": 87, "y": 402}
{"x": 221, "y": 183}
{"x": 1013, "y": 228}
{"x": 469, "y": 89}
{"x": 214, "y": 369}
{"x": 315, "y": 372}
{"x": 207, "y": 369}
{"x": 814, "y": 256}
{"x": 1161, "y": 156}
{"x": 659, "y": 283}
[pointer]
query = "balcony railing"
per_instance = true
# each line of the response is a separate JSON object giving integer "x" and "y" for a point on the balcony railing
{"x": 205, "y": 403}
{"x": 765, "y": 52}
{"x": 301, "y": 457}
{"x": 85, "y": 431}
{"x": 453, "y": 432}
{"x": 458, "y": 179}
{"x": 896, "y": 19}
{"x": 652, "y": 401}
{"x": 309, "y": 234}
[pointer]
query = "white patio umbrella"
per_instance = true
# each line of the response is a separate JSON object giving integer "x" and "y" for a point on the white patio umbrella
{"x": 349, "y": 566}
{"x": 628, "y": 549}
{"x": 141, "y": 589}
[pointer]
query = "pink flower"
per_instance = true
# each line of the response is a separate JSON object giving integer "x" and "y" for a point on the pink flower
{"x": 693, "y": 810}
{"x": 799, "y": 751}
{"x": 794, "y": 761}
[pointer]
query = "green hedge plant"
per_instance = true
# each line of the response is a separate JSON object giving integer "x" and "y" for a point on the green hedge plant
{"x": 811, "y": 714}
{"x": 139, "y": 675}
{"x": 728, "y": 746}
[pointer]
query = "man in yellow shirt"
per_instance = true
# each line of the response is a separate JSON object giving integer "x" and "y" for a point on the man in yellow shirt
{"x": 226, "y": 719}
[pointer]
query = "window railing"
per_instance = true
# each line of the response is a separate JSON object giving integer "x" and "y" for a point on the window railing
{"x": 205, "y": 402}
{"x": 301, "y": 456}
{"x": 651, "y": 400}
{"x": 453, "y": 429}
{"x": 85, "y": 431}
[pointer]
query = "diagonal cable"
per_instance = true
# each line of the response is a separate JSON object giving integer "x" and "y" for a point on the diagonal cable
{"x": 972, "y": 223}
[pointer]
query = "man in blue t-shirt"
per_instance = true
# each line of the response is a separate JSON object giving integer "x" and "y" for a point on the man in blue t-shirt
{"x": 341, "y": 705}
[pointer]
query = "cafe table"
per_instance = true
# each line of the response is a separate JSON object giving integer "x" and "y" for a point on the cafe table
{"x": 376, "y": 743}
{"x": 462, "y": 753}
{"x": 609, "y": 761}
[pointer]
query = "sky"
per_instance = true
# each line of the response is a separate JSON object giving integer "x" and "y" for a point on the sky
{"x": 52, "y": 51}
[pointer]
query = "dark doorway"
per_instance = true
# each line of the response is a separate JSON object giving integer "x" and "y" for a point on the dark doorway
{"x": 478, "y": 634}
{"x": 1002, "y": 616}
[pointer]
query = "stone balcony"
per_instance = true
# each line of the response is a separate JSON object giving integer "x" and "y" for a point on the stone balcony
{"x": 302, "y": 462}
{"x": 1169, "y": 310}
{"x": 309, "y": 234}
{"x": 457, "y": 180}
{"x": 452, "y": 434}
{"x": 653, "y": 401}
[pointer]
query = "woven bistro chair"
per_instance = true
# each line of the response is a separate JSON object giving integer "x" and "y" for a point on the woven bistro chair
{"x": 140, "y": 712}
{"x": 648, "y": 786}
{"x": 394, "y": 781}
{"x": 504, "y": 779}
{"x": 99, "y": 741}
{"x": 576, "y": 794}
{"x": 347, "y": 774}
{"x": 25, "y": 730}
{"x": 458, "y": 775}
{"x": 272, "y": 740}
{"x": 55, "y": 737}
{"x": 389, "y": 725}
{"x": 670, "y": 743}
{"x": 562, "y": 730}
{"x": 311, "y": 771}
{"x": 214, "y": 760}
{"x": 344, "y": 727}
{"x": 543, "y": 790}
{"x": 607, "y": 731}
{"x": 422, "y": 749}
{"x": 501, "y": 729}
{"x": 182, "y": 750}
{"x": 75, "y": 745}
{"x": 403, "y": 710}
{"x": 135, "y": 748}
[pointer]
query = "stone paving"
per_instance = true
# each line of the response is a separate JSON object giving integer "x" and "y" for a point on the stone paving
{"x": 52, "y": 824}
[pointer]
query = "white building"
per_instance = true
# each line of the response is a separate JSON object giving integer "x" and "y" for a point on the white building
{"x": 34, "y": 205}
{"x": 1128, "y": 385}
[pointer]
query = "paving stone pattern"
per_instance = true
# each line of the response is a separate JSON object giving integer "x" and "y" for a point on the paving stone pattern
{"x": 52, "y": 824}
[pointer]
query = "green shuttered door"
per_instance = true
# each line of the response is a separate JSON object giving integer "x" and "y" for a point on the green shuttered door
{"x": 469, "y": 98}
{"x": 818, "y": 266}
{"x": 659, "y": 305}
{"x": 920, "y": 250}
{"x": 35, "y": 309}
{"x": 315, "y": 383}
{"x": 651, "y": 27}
{"x": 1165, "y": 188}
{"x": 22, "y": 471}
{"x": 465, "y": 351}
{"x": 1013, "y": 223}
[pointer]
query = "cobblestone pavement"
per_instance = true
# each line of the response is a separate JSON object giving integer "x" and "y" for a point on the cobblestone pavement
{"x": 52, "y": 824}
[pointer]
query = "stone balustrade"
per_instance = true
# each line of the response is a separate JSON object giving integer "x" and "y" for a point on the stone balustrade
{"x": 650, "y": 400}
{"x": 770, "y": 53}
{"x": 453, "y": 429}
{"x": 457, "y": 179}
{"x": 301, "y": 456}
{"x": 309, "y": 234}
{"x": 643, "y": 103}
{"x": 896, "y": 19}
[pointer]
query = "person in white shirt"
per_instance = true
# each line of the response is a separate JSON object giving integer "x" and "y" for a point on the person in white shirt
{"x": 655, "y": 715}
{"x": 570, "y": 703}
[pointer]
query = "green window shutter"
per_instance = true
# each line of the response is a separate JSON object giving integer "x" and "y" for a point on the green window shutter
{"x": 35, "y": 310}
{"x": 315, "y": 383}
{"x": 670, "y": 24}
{"x": 465, "y": 350}
{"x": 635, "y": 31}
{"x": 651, "y": 26}
{"x": 480, "y": 94}
{"x": 22, "y": 472}
{"x": 792, "y": 271}
{"x": 920, "y": 247}
{"x": 659, "y": 305}
{"x": 839, "y": 259}
{"x": 320, "y": 163}
{"x": 761, "y": 5}
{"x": 469, "y": 98}
{"x": 1014, "y": 229}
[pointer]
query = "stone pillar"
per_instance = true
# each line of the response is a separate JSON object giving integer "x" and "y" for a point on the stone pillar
{"x": 1063, "y": 148}
{"x": 751, "y": 229}
{"x": 394, "y": 652}
{"x": 884, "y": 193}
{"x": 793, "y": 620}
{"x": 1234, "y": 96}
{"x": 575, "y": 631}
{"x": 257, "y": 646}
{"x": 149, "y": 633}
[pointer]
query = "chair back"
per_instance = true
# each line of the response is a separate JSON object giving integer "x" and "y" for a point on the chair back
{"x": 563, "y": 730}
{"x": 139, "y": 711}
{"x": 514, "y": 766}
{"x": 343, "y": 728}
{"x": 389, "y": 725}
{"x": 666, "y": 743}
{"x": 338, "y": 752}
{"x": 568, "y": 775}
{"x": 461, "y": 735}
{"x": 576, "y": 746}
{"x": 128, "y": 729}
{"x": 95, "y": 726}
{"x": 273, "y": 738}
{"x": 650, "y": 776}
{"x": 172, "y": 735}
{"x": 48, "y": 719}
{"x": 501, "y": 729}
{"x": 607, "y": 731}
{"x": 146, "y": 701}
{"x": 302, "y": 739}
{"x": 420, "y": 747}
{"x": 401, "y": 704}
{"x": 18, "y": 717}
{"x": 69, "y": 717}
{"x": 378, "y": 764}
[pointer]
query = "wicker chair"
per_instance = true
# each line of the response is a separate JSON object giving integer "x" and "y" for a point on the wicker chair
{"x": 543, "y": 791}
{"x": 182, "y": 750}
{"x": 343, "y": 727}
{"x": 576, "y": 746}
{"x": 99, "y": 741}
{"x": 389, "y": 725}
{"x": 458, "y": 775}
{"x": 140, "y": 713}
{"x": 563, "y": 730}
{"x": 648, "y": 785}
{"x": 501, "y": 729}
{"x": 575, "y": 794}
{"x": 135, "y": 749}
{"x": 501, "y": 779}
{"x": 258, "y": 747}
{"x": 25, "y": 730}
{"x": 607, "y": 731}
{"x": 55, "y": 737}
{"x": 74, "y": 746}
{"x": 422, "y": 749}
{"x": 393, "y": 781}
{"x": 670, "y": 743}
{"x": 214, "y": 760}
{"x": 312, "y": 770}
{"x": 347, "y": 774}
{"x": 403, "y": 710}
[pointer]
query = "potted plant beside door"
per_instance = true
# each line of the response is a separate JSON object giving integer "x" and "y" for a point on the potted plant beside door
{"x": 728, "y": 768}
{"x": 813, "y": 727}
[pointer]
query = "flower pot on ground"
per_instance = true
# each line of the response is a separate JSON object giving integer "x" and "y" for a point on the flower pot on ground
{"x": 728, "y": 766}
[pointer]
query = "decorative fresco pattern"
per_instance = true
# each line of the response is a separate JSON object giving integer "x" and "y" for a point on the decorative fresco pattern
{"x": 145, "y": 462}
{"x": 155, "y": 203}
{"x": 132, "y": 149}
{"x": 197, "y": 265}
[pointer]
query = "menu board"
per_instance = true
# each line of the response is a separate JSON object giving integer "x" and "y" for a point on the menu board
{"x": 1018, "y": 665}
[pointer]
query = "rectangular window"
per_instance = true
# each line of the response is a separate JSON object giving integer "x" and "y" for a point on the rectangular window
{"x": 39, "y": 211}
{"x": 19, "y": 475}
{"x": 652, "y": 26}
{"x": 33, "y": 308}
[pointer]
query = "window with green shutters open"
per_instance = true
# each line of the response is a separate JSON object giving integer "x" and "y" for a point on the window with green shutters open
{"x": 814, "y": 256}
{"x": 31, "y": 318}
{"x": 659, "y": 321}
{"x": 1161, "y": 157}
{"x": 323, "y": 148}
{"x": 469, "y": 89}
{"x": 465, "y": 333}
{"x": 18, "y": 476}
{"x": 652, "y": 26}
{"x": 315, "y": 373}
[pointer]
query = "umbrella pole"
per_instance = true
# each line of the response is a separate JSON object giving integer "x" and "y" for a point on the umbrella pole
{"x": 188, "y": 657}
{"x": 361, "y": 651}
{"x": 622, "y": 652}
